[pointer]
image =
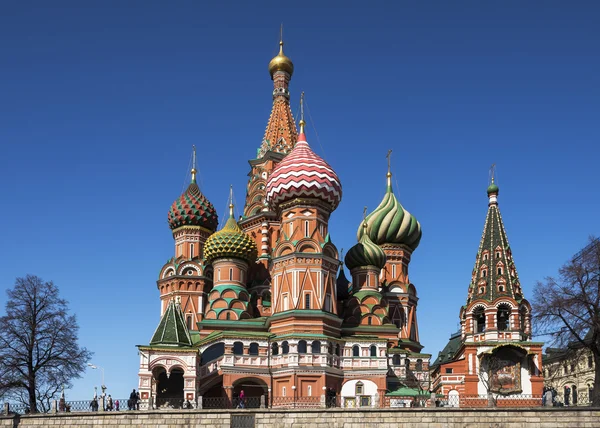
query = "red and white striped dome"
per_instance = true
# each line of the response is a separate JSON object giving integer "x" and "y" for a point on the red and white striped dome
{"x": 303, "y": 174}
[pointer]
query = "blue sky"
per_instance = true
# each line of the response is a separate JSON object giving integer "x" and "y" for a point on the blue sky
{"x": 101, "y": 102}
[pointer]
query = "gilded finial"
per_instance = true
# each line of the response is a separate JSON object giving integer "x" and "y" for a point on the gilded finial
{"x": 302, "y": 123}
{"x": 281, "y": 38}
{"x": 194, "y": 164}
{"x": 281, "y": 62}
{"x": 389, "y": 171}
{"x": 493, "y": 172}
{"x": 231, "y": 200}
{"x": 365, "y": 218}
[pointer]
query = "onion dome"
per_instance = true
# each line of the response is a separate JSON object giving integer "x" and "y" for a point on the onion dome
{"x": 281, "y": 62}
{"x": 492, "y": 188}
{"x": 193, "y": 209}
{"x": 230, "y": 242}
{"x": 390, "y": 223}
{"x": 365, "y": 253}
{"x": 304, "y": 174}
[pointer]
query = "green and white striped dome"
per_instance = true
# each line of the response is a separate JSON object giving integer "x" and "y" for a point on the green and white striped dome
{"x": 390, "y": 223}
{"x": 365, "y": 253}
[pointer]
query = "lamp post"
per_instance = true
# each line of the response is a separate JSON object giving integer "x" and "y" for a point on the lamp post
{"x": 92, "y": 366}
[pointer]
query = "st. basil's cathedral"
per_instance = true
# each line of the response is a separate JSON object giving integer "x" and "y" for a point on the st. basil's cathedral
{"x": 264, "y": 305}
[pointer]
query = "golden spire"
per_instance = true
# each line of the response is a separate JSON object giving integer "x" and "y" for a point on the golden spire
{"x": 194, "y": 164}
{"x": 302, "y": 122}
{"x": 365, "y": 225}
{"x": 493, "y": 171}
{"x": 231, "y": 200}
{"x": 281, "y": 62}
{"x": 389, "y": 172}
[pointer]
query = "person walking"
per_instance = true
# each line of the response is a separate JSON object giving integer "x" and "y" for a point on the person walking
{"x": 109, "y": 403}
{"x": 242, "y": 397}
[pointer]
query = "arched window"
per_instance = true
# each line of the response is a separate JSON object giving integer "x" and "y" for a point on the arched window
{"x": 253, "y": 349}
{"x": 503, "y": 317}
{"x": 419, "y": 365}
{"x": 266, "y": 299}
{"x": 359, "y": 389}
{"x": 306, "y": 230}
{"x": 228, "y": 316}
{"x": 274, "y": 348}
{"x": 522, "y": 317}
{"x": 285, "y": 347}
{"x": 337, "y": 350}
{"x": 499, "y": 270}
{"x": 329, "y": 348}
{"x": 479, "y": 320}
{"x": 483, "y": 273}
{"x": 369, "y": 321}
{"x": 373, "y": 350}
{"x": 396, "y": 361}
{"x": 407, "y": 363}
{"x": 191, "y": 251}
{"x": 231, "y": 274}
{"x": 307, "y": 301}
{"x": 394, "y": 271}
{"x": 328, "y": 302}
{"x": 238, "y": 348}
{"x": 498, "y": 254}
{"x": 355, "y": 351}
{"x": 309, "y": 390}
{"x": 188, "y": 322}
{"x": 316, "y": 347}
{"x": 302, "y": 347}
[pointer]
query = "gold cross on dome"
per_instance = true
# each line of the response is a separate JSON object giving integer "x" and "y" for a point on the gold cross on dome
{"x": 388, "y": 156}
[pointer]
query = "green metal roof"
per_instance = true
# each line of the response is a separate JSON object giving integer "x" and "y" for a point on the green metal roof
{"x": 171, "y": 329}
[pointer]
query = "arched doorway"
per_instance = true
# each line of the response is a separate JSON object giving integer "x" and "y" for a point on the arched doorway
{"x": 253, "y": 389}
{"x": 169, "y": 387}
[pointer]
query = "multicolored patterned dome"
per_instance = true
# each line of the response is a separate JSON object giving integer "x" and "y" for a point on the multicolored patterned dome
{"x": 390, "y": 223}
{"x": 304, "y": 174}
{"x": 365, "y": 253}
{"x": 193, "y": 209}
{"x": 230, "y": 242}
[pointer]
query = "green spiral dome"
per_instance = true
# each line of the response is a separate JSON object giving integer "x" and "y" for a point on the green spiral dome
{"x": 230, "y": 242}
{"x": 365, "y": 253}
{"x": 390, "y": 223}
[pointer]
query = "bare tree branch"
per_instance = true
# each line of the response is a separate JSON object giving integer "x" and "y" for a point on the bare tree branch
{"x": 567, "y": 308}
{"x": 38, "y": 344}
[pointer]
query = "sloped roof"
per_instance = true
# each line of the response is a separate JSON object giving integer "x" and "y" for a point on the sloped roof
{"x": 171, "y": 330}
{"x": 448, "y": 353}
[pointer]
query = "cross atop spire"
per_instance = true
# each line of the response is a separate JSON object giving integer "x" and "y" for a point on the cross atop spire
{"x": 389, "y": 171}
{"x": 193, "y": 164}
{"x": 302, "y": 123}
{"x": 493, "y": 172}
{"x": 231, "y": 200}
{"x": 365, "y": 218}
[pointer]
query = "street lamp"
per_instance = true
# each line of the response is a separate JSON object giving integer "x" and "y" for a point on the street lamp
{"x": 92, "y": 366}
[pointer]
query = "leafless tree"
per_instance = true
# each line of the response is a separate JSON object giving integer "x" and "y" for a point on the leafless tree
{"x": 38, "y": 344}
{"x": 567, "y": 308}
{"x": 489, "y": 369}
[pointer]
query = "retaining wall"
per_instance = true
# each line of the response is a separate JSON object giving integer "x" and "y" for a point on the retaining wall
{"x": 311, "y": 418}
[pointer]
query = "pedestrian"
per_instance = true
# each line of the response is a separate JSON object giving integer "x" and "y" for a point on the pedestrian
{"x": 242, "y": 396}
{"x": 117, "y": 405}
{"x": 109, "y": 403}
{"x": 137, "y": 400}
{"x": 131, "y": 401}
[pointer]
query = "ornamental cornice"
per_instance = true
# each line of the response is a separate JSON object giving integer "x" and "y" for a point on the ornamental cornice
{"x": 307, "y": 203}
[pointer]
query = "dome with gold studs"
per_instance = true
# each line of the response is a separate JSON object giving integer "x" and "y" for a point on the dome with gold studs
{"x": 281, "y": 62}
{"x": 230, "y": 242}
{"x": 193, "y": 209}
